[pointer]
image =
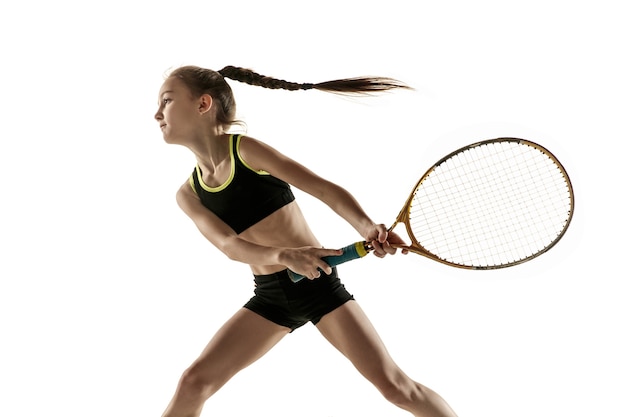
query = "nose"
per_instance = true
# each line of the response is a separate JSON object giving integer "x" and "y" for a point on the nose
{"x": 158, "y": 116}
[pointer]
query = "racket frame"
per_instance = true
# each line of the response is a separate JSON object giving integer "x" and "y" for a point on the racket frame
{"x": 404, "y": 215}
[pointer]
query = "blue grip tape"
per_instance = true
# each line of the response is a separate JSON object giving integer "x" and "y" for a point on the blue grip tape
{"x": 355, "y": 251}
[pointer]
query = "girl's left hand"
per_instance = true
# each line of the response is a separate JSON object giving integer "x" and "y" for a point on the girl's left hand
{"x": 384, "y": 242}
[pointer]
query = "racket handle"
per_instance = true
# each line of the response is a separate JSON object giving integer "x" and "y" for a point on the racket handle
{"x": 355, "y": 251}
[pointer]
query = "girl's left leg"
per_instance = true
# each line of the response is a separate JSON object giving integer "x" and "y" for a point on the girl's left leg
{"x": 350, "y": 331}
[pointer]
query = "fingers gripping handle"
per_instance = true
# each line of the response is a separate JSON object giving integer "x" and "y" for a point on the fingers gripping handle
{"x": 355, "y": 251}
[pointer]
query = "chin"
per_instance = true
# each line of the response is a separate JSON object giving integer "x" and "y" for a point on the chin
{"x": 172, "y": 141}
{"x": 168, "y": 139}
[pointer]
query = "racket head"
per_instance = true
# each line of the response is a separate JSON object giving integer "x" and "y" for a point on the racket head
{"x": 489, "y": 205}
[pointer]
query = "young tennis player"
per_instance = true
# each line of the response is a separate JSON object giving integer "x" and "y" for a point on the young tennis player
{"x": 239, "y": 197}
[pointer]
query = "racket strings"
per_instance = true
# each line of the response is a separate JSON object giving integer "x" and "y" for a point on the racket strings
{"x": 493, "y": 204}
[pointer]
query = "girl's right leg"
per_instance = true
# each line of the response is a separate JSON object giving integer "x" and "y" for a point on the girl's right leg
{"x": 242, "y": 340}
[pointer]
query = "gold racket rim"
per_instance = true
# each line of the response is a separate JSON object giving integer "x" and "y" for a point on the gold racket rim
{"x": 416, "y": 246}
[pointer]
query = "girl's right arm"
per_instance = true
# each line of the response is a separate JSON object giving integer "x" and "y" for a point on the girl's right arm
{"x": 304, "y": 261}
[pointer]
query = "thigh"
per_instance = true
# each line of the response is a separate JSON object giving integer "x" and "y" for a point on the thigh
{"x": 351, "y": 332}
{"x": 242, "y": 340}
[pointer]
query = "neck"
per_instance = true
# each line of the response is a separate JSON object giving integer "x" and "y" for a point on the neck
{"x": 211, "y": 148}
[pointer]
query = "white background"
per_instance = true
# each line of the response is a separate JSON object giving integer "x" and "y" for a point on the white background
{"x": 108, "y": 292}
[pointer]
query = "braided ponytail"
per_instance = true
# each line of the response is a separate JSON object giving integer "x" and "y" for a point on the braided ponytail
{"x": 250, "y": 77}
{"x": 205, "y": 81}
{"x": 359, "y": 85}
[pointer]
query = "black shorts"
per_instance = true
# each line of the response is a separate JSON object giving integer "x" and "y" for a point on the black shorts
{"x": 292, "y": 305}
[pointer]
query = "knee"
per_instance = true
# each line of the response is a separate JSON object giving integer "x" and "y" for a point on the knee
{"x": 196, "y": 383}
{"x": 415, "y": 398}
{"x": 403, "y": 392}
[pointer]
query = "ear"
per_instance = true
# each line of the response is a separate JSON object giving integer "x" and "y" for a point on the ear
{"x": 205, "y": 103}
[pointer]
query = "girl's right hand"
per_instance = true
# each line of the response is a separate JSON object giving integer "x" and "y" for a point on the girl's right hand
{"x": 307, "y": 261}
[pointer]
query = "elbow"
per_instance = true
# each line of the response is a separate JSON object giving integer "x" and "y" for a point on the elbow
{"x": 228, "y": 246}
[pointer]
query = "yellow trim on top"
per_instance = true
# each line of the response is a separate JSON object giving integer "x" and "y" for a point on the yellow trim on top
{"x": 259, "y": 171}
{"x": 191, "y": 183}
{"x": 230, "y": 176}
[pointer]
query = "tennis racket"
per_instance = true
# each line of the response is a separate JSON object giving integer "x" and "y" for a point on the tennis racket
{"x": 489, "y": 205}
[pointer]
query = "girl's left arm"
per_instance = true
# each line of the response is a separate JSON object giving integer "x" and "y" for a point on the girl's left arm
{"x": 261, "y": 156}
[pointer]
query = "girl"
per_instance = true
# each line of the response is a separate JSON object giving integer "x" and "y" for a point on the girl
{"x": 240, "y": 199}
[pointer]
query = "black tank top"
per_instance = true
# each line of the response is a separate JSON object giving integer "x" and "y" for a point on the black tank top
{"x": 247, "y": 196}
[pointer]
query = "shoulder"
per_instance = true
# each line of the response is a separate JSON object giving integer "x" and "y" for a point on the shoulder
{"x": 186, "y": 195}
{"x": 245, "y": 143}
{"x": 190, "y": 203}
{"x": 258, "y": 154}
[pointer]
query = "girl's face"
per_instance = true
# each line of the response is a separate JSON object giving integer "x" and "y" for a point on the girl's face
{"x": 179, "y": 114}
